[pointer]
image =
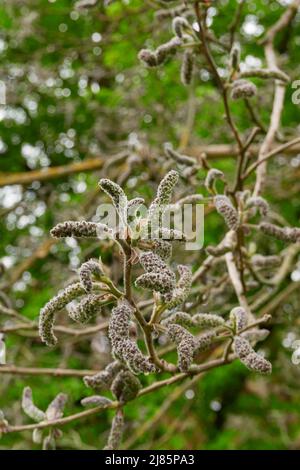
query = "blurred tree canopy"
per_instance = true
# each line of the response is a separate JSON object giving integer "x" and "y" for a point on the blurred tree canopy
{"x": 78, "y": 101}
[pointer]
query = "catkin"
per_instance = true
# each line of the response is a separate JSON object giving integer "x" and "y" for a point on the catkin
{"x": 123, "y": 347}
{"x": 187, "y": 68}
{"x": 185, "y": 343}
{"x": 249, "y": 357}
{"x": 47, "y": 313}
{"x": 285, "y": 234}
{"x": 86, "y": 271}
{"x": 183, "y": 287}
{"x": 56, "y": 408}
{"x": 125, "y": 386}
{"x": 242, "y": 89}
{"x": 227, "y": 211}
{"x": 87, "y": 308}
{"x": 239, "y": 318}
{"x": 116, "y": 432}
{"x": 96, "y": 400}
{"x": 29, "y": 407}
{"x": 79, "y": 229}
{"x": 104, "y": 378}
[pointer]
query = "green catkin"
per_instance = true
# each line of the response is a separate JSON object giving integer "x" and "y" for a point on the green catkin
{"x": 56, "y": 408}
{"x": 239, "y": 318}
{"x": 96, "y": 400}
{"x": 285, "y": 234}
{"x": 81, "y": 229}
{"x": 87, "y": 308}
{"x": 242, "y": 89}
{"x": 178, "y": 157}
{"x": 227, "y": 211}
{"x": 47, "y": 313}
{"x": 211, "y": 177}
{"x": 187, "y": 68}
{"x": 125, "y": 386}
{"x": 29, "y": 407}
{"x": 86, "y": 271}
{"x": 185, "y": 343}
{"x": 253, "y": 361}
{"x": 116, "y": 432}
{"x": 103, "y": 379}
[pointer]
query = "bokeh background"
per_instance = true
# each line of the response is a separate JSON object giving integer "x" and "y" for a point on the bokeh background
{"x": 77, "y": 94}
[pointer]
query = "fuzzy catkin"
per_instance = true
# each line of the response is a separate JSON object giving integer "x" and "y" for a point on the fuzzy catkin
{"x": 148, "y": 57}
{"x": 116, "y": 432}
{"x": 179, "y": 24}
{"x": 187, "y": 68}
{"x": 157, "y": 282}
{"x": 86, "y": 271}
{"x": 211, "y": 177}
{"x": 255, "y": 335}
{"x": 125, "y": 386}
{"x": 204, "y": 341}
{"x": 259, "y": 203}
{"x": 227, "y": 211}
{"x": 167, "y": 49}
{"x": 285, "y": 234}
{"x": 116, "y": 193}
{"x": 185, "y": 343}
{"x": 183, "y": 287}
{"x": 79, "y": 229}
{"x": 242, "y": 89}
{"x": 239, "y": 318}
{"x": 56, "y": 407}
{"x": 178, "y": 157}
{"x": 87, "y": 308}
{"x": 29, "y": 407}
{"x": 162, "y": 248}
{"x": 249, "y": 357}
{"x": 123, "y": 347}
{"x": 104, "y": 378}
{"x": 266, "y": 74}
{"x": 261, "y": 261}
{"x": 47, "y": 313}
{"x": 96, "y": 400}
{"x": 166, "y": 186}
